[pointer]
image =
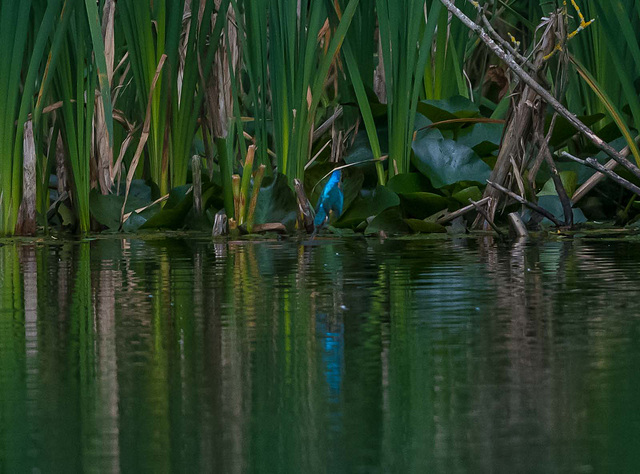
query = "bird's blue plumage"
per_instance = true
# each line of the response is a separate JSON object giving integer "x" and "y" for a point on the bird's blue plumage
{"x": 331, "y": 200}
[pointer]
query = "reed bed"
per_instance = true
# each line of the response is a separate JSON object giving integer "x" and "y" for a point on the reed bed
{"x": 122, "y": 95}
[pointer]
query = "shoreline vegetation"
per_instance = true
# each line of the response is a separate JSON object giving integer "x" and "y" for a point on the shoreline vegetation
{"x": 227, "y": 117}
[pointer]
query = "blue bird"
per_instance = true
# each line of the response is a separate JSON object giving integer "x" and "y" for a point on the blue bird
{"x": 331, "y": 200}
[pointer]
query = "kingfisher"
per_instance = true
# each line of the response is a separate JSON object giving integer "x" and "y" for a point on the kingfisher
{"x": 331, "y": 200}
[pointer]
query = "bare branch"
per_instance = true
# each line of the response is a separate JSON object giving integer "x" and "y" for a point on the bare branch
{"x": 529, "y": 204}
{"x": 593, "y": 163}
{"x": 546, "y": 95}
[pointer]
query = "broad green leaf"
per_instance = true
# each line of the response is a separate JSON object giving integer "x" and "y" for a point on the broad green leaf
{"x": 106, "y": 208}
{"x": 449, "y": 109}
{"x": 422, "y": 205}
{"x": 276, "y": 202}
{"x": 446, "y": 162}
{"x": 409, "y": 183}
{"x": 425, "y": 227}
{"x": 389, "y": 221}
{"x": 175, "y": 211}
{"x": 554, "y": 206}
{"x": 472, "y": 192}
{"x": 483, "y": 138}
{"x": 569, "y": 181}
{"x": 370, "y": 204}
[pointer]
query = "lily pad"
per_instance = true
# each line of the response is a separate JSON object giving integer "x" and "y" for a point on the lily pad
{"x": 422, "y": 205}
{"x": 554, "y": 206}
{"x": 483, "y": 138}
{"x": 106, "y": 209}
{"x": 425, "y": 227}
{"x": 367, "y": 205}
{"x": 472, "y": 192}
{"x": 276, "y": 202}
{"x": 449, "y": 109}
{"x": 446, "y": 162}
{"x": 408, "y": 183}
{"x": 569, "y": 181}
{"x": 175, "y": 210}
{"x": 389, "y": 221}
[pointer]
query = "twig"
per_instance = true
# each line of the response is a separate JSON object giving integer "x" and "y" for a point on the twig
{"x": 529, "y": 204}
{"x": 593, "y": 163}
{"x": 304, "y": 206}
{"x": 548, "y": 97}
{"x": 486, "y": 216}
{"x": 496, "y": 37}
{"x": 543, "y": 144}
{"x": 144, "y": 208}
{"x": 596, "y": 178}
{"x": 462, "y": 211}
{"x": 592, "y": 182}
{"x": 318, "y": 132}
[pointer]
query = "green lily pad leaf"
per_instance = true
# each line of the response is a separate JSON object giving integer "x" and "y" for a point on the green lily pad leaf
{"x": 483, "y": 138}
{"x": 472, "y": 192}
{"x": 67, "y": 216}
{"x": 368, "y": 204}
{"x": 408, "y": 183}
{"x": 422, "y": 205}
{"x": 554, "y": 206}
{"x": 446, "y": 162}
{"x": 425, "y": 227}
{"x": 106, "y": 209}
{"x": 177, "y": 196}
{"x": 276, "y": 202}
{"x": 389, "y": 221}
{"x": 175, "y": 210}
{"x": 449, "y": 109}
{"x": 569, "y": 181}
{"x": 134, "y": 222}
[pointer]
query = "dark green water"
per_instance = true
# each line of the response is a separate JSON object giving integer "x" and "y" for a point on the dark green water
{"x": 358, "y": 356}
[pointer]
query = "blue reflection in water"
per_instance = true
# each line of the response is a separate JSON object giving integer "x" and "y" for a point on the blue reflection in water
{"x": 332, "y": 336}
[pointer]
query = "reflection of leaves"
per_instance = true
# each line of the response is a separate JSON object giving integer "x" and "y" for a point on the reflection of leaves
{"x": 276, "y": 202}
{"x": 446, "y": 162}
{"x": 389, "y": 221}
{"x": 368, "y": 204}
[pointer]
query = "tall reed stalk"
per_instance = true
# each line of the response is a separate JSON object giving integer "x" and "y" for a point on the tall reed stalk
{"x": 189, "y": 39}
{"x": 75, "y": 81}
{"x": 405, "y": 36}
{"x": 297, "y": 70}
{"x": 19, "y": 55}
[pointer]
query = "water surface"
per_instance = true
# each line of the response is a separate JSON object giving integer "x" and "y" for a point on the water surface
{"x": 456, "y": 355}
